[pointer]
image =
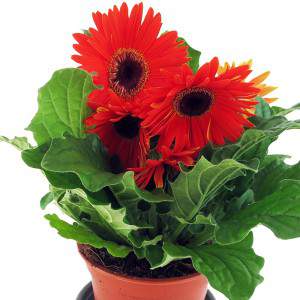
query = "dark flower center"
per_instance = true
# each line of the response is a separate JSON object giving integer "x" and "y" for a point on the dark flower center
{"x": 193, "y": 102}
{"x": 128, "y": 127}
{"x": 128, "y": 72}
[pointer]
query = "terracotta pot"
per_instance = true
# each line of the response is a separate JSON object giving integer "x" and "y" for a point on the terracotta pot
{"x": 111, "y": 286}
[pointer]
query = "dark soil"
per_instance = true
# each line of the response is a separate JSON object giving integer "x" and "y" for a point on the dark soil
{"x": 132, "y": 266}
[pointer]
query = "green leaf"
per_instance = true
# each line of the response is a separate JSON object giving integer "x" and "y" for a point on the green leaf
{"x": 54, "y": 195}
{"x": 127, "y": 190}
{"x": 130, "y": 196}
{"x": 263, "y": 109}
{"x": 46, "y": 200}
{"x": 254, "y": 143}
{"x": 21, "y": 143}
{"x": 279, "y": 211}
{"x": 83, "y": 157}
{"x": 232, "y": 270}
{"x": 275, "y": 125}
{"x": 237, "y": 203}
{"x": 207, "y": 234}
{"x": 194, "y": 56}
{"x": 279, "y": 111}
{"x": 62, "y": 105}
{"x": 192, "y": 190}
{"x": 85, "y": 236}
{"x": 33, "y": 158}
{"x": 155, "y": 255}
{"x": 102, "y": 219}
{"x": 272, "y": 171}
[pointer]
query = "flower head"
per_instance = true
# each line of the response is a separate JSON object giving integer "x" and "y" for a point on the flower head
{"x": 125, "y": 53}
{"x": 203, "y": 107}
{"x": 155, "y": 168}
{"x": 119, "y": 126}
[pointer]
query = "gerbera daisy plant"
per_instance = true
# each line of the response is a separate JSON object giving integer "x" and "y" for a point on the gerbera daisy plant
{"x": 158, "y": 157}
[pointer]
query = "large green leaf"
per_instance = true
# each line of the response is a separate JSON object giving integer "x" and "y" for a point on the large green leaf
{"x": 193, "y": 189}
{"x": 62, "y": 105}
{"x": 254, "y": 143}
{"x": 194, "y": 56}
{"x": 21, "y": 143}
{"x": 83, "y": 235}
{"x": 275, "y": 125}
{"x": 108, "y": 223}
{"x": 272, "y": 171}
{"x": 279, "y": 111}
{"x": 279, "y": 211}
{"x": 33, "y": 158}
{"x": 83, "y": 157}
{"x": 233, "y": 269}
{"x": 102, "y": 219}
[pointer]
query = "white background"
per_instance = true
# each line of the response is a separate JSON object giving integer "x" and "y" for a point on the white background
{"x": 36, "y": 39}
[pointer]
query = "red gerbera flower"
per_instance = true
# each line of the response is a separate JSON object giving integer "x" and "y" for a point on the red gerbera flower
{"x": 156, "y": 168}
{"x": 118, "y": 124}
{"x": 125, "y": 54}
{"x": 203, "y": 107}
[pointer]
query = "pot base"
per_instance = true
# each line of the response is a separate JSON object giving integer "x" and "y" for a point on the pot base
{"x": 87, "y": 294}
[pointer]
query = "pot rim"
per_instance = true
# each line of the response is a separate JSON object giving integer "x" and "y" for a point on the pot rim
{"x": 172, "y": 280}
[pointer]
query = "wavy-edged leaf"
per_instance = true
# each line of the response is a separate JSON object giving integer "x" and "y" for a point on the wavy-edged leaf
{"x": 105, "y": 221}
{"x": 272, "y": 171}
{"x": 192, "y": 190}
{"x": 280, "y": 111}
{"x": 254, "y": 143}
{"x": 279, "y": 211}
{"x": 20, "y": 143}
{"x": 275, "y": 125}
{"x": 102, "y": 219}
{"x": 83, "y": 157}
{"x": 232, "y": 269}
{"x": 62, "y": 105}
{"x": 33, "y": 158}
{"x": 154, "y": 254}
{"x": 127, "y": 190}
{"x": 83, "y": 235}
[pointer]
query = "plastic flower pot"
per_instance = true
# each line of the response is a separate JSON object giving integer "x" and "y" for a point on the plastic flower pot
{"x": 111, "y": 286}
{"x": 88, "y": 294}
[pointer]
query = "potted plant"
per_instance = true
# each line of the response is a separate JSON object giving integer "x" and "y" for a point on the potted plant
{"x": 163, "y": 165}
